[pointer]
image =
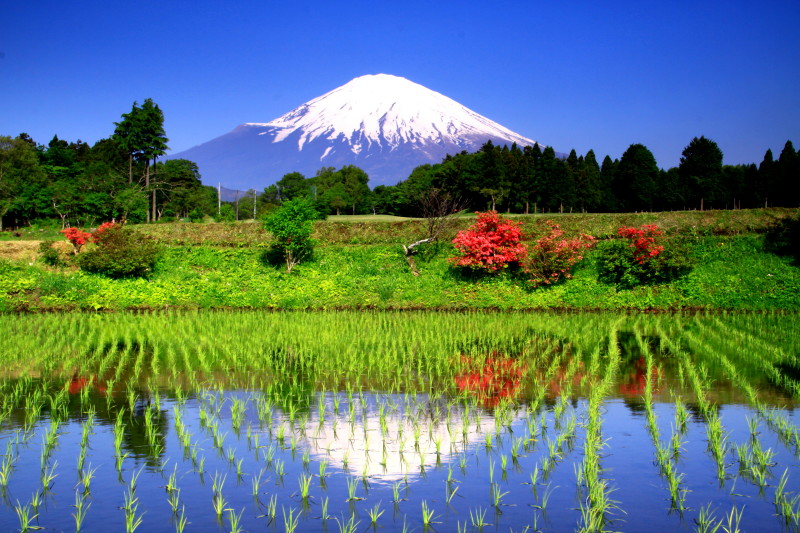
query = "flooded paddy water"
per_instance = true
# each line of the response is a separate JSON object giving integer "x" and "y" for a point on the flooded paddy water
{"x": 355, "y": 421}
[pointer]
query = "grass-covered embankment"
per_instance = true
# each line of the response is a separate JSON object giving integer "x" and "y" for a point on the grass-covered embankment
{"x": 362, "y": 265}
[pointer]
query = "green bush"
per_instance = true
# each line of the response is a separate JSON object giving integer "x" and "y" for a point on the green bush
{"x": 784, "y": 238}
{"x": 120, "y": 253}
{"x": 195, "y": 215}
{"x": 291, "y": 226}
{"x": 49, "y": 255}
{"x": 617, "y": 264}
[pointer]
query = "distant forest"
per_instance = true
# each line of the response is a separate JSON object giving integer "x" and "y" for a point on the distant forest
{"x": 81, "y": 185}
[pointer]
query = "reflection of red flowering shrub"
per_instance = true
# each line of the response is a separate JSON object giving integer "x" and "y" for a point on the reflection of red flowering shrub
{"x": 490, "y": 244}
{"x": 78, "y": 383}
{"x": 635, "y": 382}
{"x": 553, "y": 256}
{"x": 498, "y": 378}
{"x": 76, "y": 237}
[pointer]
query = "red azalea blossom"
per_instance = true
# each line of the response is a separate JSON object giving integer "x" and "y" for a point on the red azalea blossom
{"x": 643, "y": 241}
{"x": 76, "y": 237}
{"x": 553, "y": 256}
{"x": 98, "y": 233}
{"x": 492, "y": 243}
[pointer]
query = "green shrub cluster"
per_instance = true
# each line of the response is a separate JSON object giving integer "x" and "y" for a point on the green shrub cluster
{"x": 120, "y": 253}
{"x": 617, "y": 264}
{"x": 49, "y": 254}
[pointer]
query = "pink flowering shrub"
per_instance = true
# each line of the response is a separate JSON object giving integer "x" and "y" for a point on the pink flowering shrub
{"x": 492, "y": 243}
{"x": 552, "y": 257}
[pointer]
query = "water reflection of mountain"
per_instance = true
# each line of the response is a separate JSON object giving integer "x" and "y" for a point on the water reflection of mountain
{"x": 387, "y": 439}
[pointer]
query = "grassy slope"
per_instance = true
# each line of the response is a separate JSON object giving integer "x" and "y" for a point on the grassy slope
{"x": 732, "y": 271}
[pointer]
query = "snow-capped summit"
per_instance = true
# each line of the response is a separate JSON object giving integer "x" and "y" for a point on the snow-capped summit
{"x": 387, "y": 125}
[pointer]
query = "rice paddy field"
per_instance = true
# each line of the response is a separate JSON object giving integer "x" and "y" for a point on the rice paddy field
{"x": 399, "y": 421}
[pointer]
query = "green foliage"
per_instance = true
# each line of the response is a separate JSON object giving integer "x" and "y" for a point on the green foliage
{"x": 784, "y": 238}
{"x": 226, "y": 213}
{"x": 49, "y": 255}
{"x": 361, "y": 265}
{"x": 291, "y": 227}
{"x": 195, "y": 215}
{"x": 121, "y": 253}
{"x": 617, "y": 263}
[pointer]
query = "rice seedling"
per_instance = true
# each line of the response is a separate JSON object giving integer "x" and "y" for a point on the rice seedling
{"x": 291, "y": 520}
{"x": 81, "y": 508}
{"x": 132, "y": 520}
{"x": 305, "y": 486}
{"x": 375, "y": 513}
{"x": 347, "y": 526}
{"x": 732, "y": 519}
{"x": 427, "y": 515}
{"x": 496, "y": 495}
{"x": 180, "y": 521}
{"x": 48, "y": 476}
{"x": 26, "y": 515}
{"x": 235, "y": 521}
{"x": 478, "y": 518}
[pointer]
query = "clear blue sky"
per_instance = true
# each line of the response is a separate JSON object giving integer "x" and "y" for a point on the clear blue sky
{"x": 582, "y": 75}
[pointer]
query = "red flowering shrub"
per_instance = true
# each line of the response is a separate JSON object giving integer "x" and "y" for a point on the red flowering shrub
{"x": 643, "y": 241}
{"x": 120, "y": 253}
{"x": 552, "y": 257}
{"x": 491, "y": 243}
{"x": 76, "y": 237}
{"x": 97, "y": 236}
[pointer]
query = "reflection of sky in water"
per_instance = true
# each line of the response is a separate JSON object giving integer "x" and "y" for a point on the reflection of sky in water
{"x": 396, "y": 441}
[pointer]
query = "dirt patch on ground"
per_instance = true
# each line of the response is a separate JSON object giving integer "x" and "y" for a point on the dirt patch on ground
{"x": 28, "y": 251}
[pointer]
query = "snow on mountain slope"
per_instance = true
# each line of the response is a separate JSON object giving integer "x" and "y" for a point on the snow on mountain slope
{"x": 385, "y": 110}
{"x": 385, "y": 124}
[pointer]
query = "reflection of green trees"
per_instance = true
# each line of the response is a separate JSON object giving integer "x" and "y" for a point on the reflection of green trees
{"x": 292, "y": 389}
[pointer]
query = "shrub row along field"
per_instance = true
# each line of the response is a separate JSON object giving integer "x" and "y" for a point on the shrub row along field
{"x": 685, "y": 260}
{"x": 299, "y": 421}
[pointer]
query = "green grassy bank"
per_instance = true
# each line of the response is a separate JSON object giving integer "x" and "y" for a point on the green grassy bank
{"x": 361, "y": 264}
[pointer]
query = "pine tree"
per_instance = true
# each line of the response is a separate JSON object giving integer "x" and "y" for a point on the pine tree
{"x": 700, "y": 170}
{"x": 636, "y": 179}
{"x": 787, "y": 176}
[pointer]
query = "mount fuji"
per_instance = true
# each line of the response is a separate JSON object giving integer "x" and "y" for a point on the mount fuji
{"x": 386, "y": 125}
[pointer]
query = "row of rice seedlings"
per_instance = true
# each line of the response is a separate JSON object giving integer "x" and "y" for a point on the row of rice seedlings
{"x": 761, "y": 354}
{"x": 666, "y": 456}
{"x": 787, "y": 431}
{"x": 787, "y": 504}
{"x": 597, "y": 505}
{"x": 717, "y": 439}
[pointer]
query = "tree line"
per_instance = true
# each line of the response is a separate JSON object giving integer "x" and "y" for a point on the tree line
{"x": 531, "y": 179}
{"x": 121, "y": 177}
{"x": 116, "y": 178}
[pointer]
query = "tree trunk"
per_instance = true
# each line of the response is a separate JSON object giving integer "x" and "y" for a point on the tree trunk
{"x": 154, "y": 191}
{"x": 147, "y": 184}
{"x": 410, "y": 251}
